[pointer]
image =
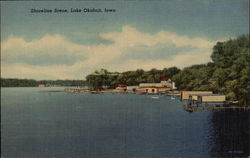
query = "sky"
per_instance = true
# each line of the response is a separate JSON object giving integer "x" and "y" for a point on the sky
{"x": 138, "y": 35}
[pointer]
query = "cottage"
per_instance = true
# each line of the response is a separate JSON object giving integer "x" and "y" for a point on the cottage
{"x": 121, "y": 87}
{"x": 41, "y": 85}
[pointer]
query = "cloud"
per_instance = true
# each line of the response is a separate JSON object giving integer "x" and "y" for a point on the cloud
{"x": 49, "y": 50}
{"x": 131, "y": 36}
{"x": 180, "y": 60}
{"x": 56, "y": 57}
{"x": 160, "y": 51}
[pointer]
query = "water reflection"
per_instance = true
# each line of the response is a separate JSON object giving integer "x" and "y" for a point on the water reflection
{"x": 231, "y": 133}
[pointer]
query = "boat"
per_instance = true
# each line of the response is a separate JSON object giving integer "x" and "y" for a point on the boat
{"x": 155, "y": 97}
{"x": 172, "y": 97}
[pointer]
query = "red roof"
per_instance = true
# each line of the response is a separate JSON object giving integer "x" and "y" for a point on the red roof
{"x": 122, "y": 85}
{"x": 164, "y": 79}
{"x": 98, "y": 88}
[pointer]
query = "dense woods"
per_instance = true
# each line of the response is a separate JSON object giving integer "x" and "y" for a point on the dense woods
{"x": 228, "y": 73}
{"x": 130, "y": 78}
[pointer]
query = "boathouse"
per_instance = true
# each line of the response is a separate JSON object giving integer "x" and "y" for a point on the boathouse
{"x": 211, "y": 98}
{"x": 185, "y": 94}
{"x": 132, "y": 89}
{"x": 206, "y": 99}
{"x": 156, "y": 88}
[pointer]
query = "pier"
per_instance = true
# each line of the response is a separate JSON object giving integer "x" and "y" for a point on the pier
{"x": 210, "y": 102}
{"x": 76, "y": 90}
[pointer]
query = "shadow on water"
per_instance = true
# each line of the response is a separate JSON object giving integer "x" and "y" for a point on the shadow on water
{"x": 231, "y": 133}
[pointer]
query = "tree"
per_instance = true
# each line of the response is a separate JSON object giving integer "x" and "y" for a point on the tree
{"x": 228, "y": 74}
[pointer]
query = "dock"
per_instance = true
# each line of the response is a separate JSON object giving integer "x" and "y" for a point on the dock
{"x": 210, "y": 102}
{"x": 76, "y": 90}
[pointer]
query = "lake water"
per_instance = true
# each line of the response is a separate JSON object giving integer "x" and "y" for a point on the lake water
{"x": 36, "y": 123}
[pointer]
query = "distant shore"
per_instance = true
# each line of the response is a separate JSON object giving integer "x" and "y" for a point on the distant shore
{"x": 14, "y": 82}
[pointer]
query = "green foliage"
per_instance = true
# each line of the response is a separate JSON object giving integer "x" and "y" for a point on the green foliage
{"x": 18, "y": 83}
{"x": 130, "y": 78}
{"x": 229, "y": 73}
{"x": 196, "y": 77}
{"x": 232, "y": 59}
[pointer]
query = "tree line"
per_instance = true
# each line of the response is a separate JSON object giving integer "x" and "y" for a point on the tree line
{"x": 10, "y": 82}
{"x": 228, "y": 73}
{"x": 102, "y": 77}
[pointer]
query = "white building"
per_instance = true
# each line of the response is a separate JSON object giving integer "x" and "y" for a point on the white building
{"x": 156, "y": 88}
